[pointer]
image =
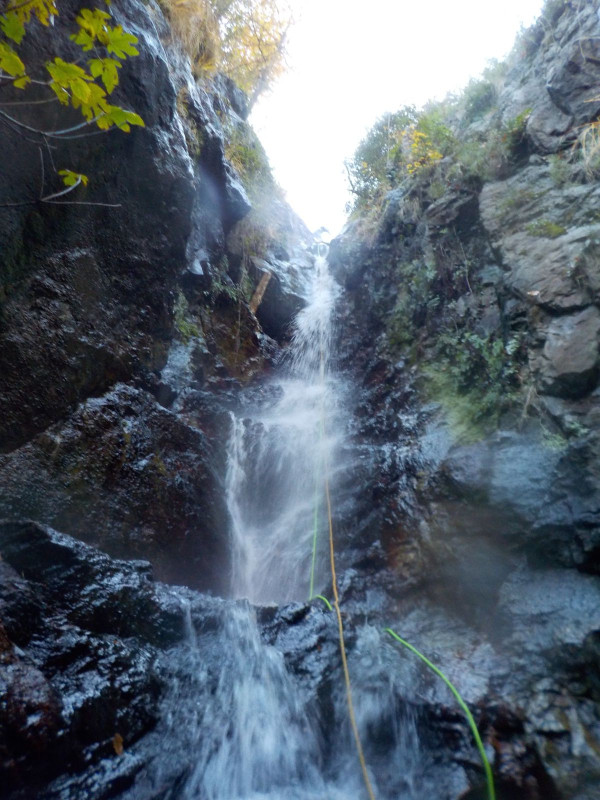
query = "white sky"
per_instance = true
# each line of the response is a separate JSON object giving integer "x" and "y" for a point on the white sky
{"x": 350, "y": 61}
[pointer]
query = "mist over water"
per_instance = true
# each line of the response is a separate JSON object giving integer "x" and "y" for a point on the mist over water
{"x": 248, "y": 727}
{"x": 276, "y": 458}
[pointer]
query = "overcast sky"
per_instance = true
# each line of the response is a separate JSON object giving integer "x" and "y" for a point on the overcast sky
{"x": 350, "y": 62}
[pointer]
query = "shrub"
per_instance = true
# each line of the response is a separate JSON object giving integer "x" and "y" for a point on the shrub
{"x": 560, "y": 169}
{"x": 372, "y": 169}
{"x": 196, "y": 26}
{"x": 589, "y": 141}
{"x": 479, "y": 96}
{"x": 545, "y": 228}
{"x": 475, "y": 378}
{"x": 244, "y": 39}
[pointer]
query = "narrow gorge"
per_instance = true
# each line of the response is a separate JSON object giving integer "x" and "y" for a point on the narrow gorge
{"x": 223, "y": 440}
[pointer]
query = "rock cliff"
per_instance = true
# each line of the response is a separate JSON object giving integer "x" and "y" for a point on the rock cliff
{"x": 471, "y": 315}
{"x": 127, "y": 316}
{"x": 469, "y": 518}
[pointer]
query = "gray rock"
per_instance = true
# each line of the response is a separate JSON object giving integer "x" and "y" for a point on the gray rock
{"x": 557, "y": 73}
{"x": 570, "y": 359}
{"x": 546, "y": 236}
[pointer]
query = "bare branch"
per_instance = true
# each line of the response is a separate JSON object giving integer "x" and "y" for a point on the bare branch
{"x": 63, "y": 192}
{"x": 81, "y": 203}
{"x": 54, "y": 134}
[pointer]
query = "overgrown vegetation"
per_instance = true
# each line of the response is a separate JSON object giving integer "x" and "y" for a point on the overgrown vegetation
{"x": 265, "y": 227}
{"x": 244, "y": 39}
{"x": 545, "y": 228}
{"x": 409, "y": 163}
{"x": 476, "y": 378}
{"x": 246, "y": 154}
{"x": 473, "y": 371}
{"x": 434, "y": 146}
{"x": 186, "y": 327}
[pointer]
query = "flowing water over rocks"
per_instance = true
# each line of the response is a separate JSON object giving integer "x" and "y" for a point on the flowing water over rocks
{"x": 276, "y": 464}
{"x": 157, "y": 403}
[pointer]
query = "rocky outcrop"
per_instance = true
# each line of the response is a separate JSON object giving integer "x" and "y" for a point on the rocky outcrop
{"x": 491, "y": 523}
{"x": 127, "y": 319}
{"x": 127, "y": 475}
{"x": 556, "y": 75}
{"x": 80, "y": 635}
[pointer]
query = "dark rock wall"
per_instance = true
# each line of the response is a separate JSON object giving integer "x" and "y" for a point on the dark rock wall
{"x": 109, "y": 316}
{"x": 493, "y": 525}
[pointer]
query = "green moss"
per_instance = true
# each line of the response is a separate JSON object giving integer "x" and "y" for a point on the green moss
{"x": 475, "y": 379}
{"x": 187, "y": 328}
{"x": 554, "y": 441}
{"x": 560, "y": 170}
{"x": 194, "y": 135}
{"x": 545, "y": 228}
{"x": 247, "y": 156}
{"x": 514, "y": 200}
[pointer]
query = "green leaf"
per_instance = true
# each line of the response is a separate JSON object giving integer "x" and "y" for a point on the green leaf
{"x": 92, "y": 21}
{"x": 80, "y": 90}
{"x": 83, "y": 39}
{"x": 120, "y": 43}
{"x": 95, "y": 106}
{"x": 65, "y": 72}
{"x": 70, "y": 178}
{"x": 123, "y": 118}
{"x": 106, "y": 70}
{"x": 21, "y": 83}
{"x": 10, "y": 61}
{"x": 61, "y": 93}
{"x": 12, "y": 27}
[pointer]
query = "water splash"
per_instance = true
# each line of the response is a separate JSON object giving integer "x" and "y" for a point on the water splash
{"x": 237, "y": 724}
{"x": 275, "y": 461}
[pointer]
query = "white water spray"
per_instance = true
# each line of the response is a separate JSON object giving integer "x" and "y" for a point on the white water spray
{"x": 252, "y": 729}
{"x": 275, "y": 463}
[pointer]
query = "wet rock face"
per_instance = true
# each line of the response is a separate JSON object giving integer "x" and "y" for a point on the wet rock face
{"x": 109, "y": 312}
{"x": 89, "y": 302}
{"x": 543, "y": 233}
{"x": 557, "y": 76}
{"x": 77, "y": 655}
{"x": 498, "y": 538}
{"x": 87, "y": 291}
{"x": 571, "y": 354}
{"x": 131, "y": 477}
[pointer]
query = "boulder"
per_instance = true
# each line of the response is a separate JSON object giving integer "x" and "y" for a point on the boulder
{"x": 570, "y": 360}
{"x": 129, "y": 476}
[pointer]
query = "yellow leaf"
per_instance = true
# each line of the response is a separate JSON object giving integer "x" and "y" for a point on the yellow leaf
{"x": 118, "y": 744}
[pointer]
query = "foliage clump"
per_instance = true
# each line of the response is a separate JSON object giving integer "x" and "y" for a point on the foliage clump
{"x": 243, "y": 39}
{"x": 439, "y": 145}
{"x": 398, "y": 145}
{"x": 186, "y": 327}
{"x": 546, "y": 229}
{"x": 476, "y": 378}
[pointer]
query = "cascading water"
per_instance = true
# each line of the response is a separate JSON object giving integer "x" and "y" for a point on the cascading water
{"x": 276, "y": 458}
{"x": 238, "y": 724}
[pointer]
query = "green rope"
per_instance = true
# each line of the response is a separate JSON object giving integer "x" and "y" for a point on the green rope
{"x": 314, "y": 547}
{"x": 324, "y": 599}
{"x": 316, "y": 518}
{"x": 486, "y": 764}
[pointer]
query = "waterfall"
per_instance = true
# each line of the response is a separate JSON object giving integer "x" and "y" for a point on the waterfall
{"x": 238, "y": 724}
{"x": 276, "y": 457}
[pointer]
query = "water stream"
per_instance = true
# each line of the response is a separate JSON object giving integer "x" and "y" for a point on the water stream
{"x": 276, "y": 460}
{"x": 238, "y": 723}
